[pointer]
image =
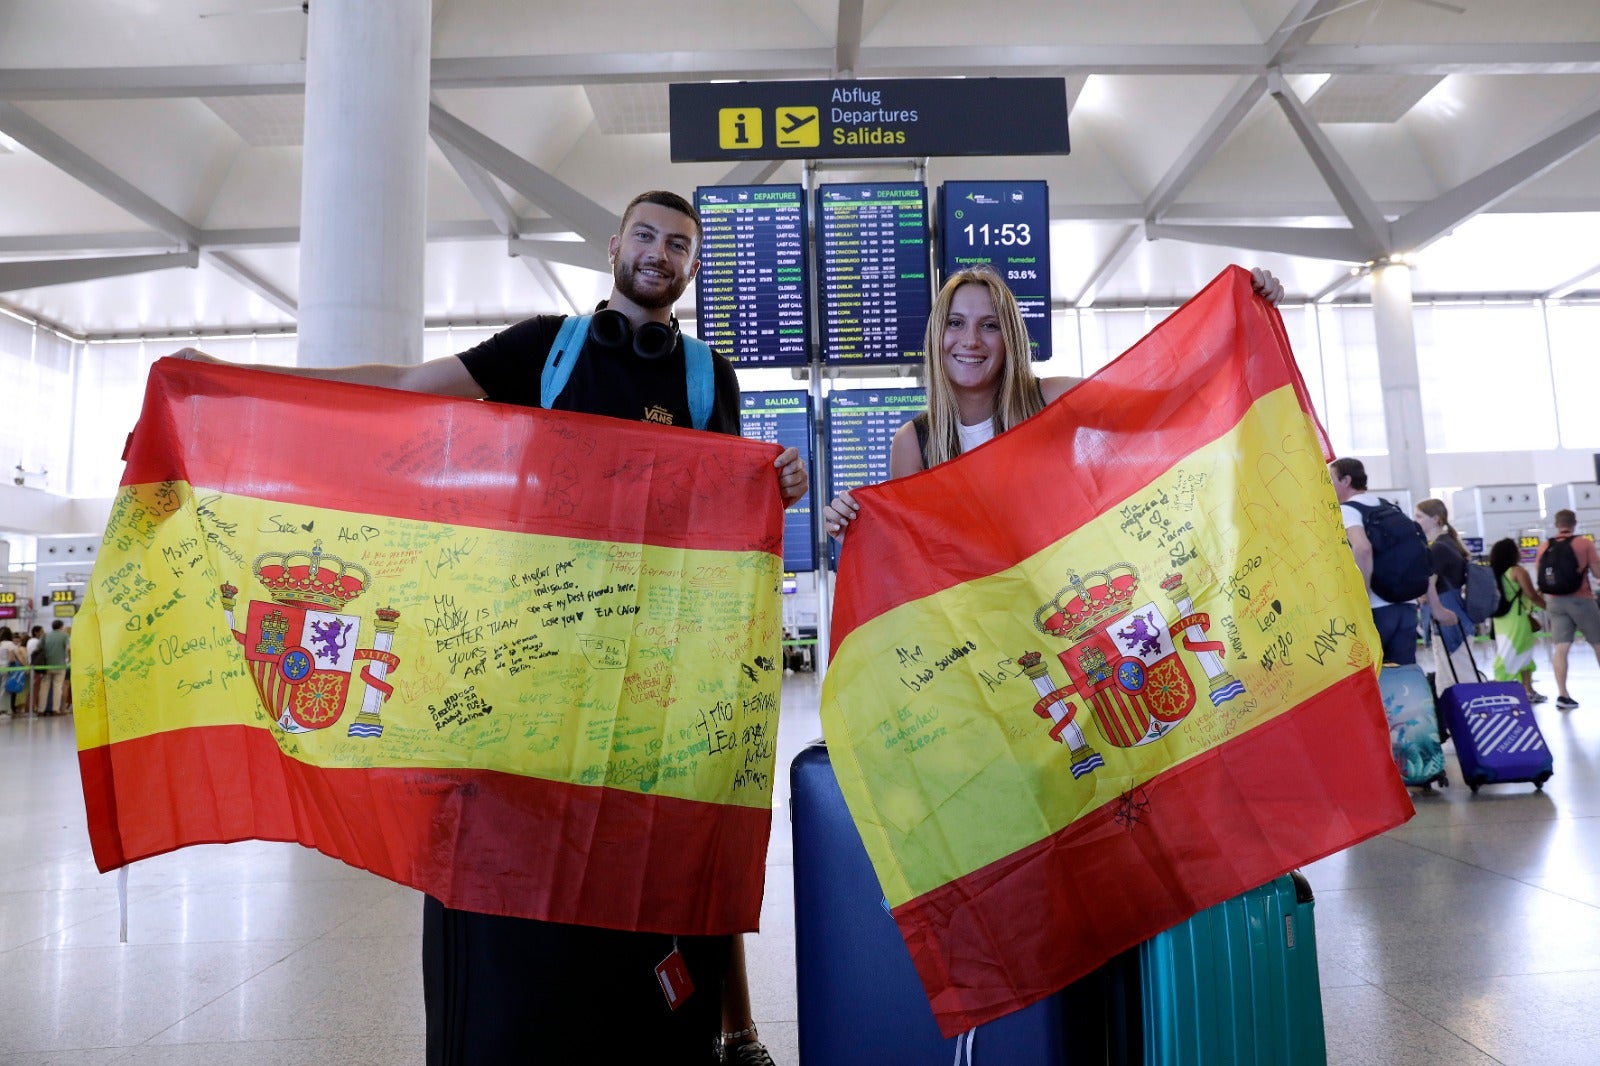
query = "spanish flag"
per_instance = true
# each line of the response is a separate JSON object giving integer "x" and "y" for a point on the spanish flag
{"x": 1109, "y": 669}
{"x": 525, "y": 661}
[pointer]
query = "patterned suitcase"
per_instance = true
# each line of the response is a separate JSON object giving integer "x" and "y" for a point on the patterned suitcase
{"x": 1413, "y": 725}
{"x": 859, "y": 997}
{"x": 1497, "y": 739}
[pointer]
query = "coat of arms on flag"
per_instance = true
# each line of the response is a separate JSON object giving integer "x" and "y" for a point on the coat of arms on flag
{"x": 302, "y": 652}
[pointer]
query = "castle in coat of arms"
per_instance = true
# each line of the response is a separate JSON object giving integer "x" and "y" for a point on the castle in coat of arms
{"x": 302, "y": 646}
{"x": 1123, "y": 662}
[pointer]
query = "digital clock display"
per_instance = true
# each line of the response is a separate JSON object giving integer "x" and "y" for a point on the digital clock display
{"x": 1004, "y": 225}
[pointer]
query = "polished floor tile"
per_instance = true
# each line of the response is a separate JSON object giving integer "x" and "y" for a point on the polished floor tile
{"x": 1469, "y": 936}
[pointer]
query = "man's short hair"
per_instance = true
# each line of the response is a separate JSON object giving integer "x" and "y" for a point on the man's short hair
{"x": 1566, "y": 519}
{"x": 663, "y": 198}
{"x": 1352, "y": 469}
{"x": 57, "y": 624}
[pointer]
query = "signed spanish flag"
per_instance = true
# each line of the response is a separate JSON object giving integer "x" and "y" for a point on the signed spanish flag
{"x": 1109, "y": 669}
{"x": 525, "y": 661}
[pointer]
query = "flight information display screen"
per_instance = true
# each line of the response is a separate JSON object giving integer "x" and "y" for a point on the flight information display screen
{"x": 751, "y": 292}
{"x": 872, "y": 252}
{"x": 784, "y": 419}
{"x": 861, "y": 425}
{"x": 1004, "y": 225}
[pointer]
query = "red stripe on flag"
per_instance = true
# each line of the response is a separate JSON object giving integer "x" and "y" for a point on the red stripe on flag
{"x": 1060, "y": 908}
{"x": 1172, "y": 393}
{"x": 460, "y": 462}
{"x": 539, "y": 849}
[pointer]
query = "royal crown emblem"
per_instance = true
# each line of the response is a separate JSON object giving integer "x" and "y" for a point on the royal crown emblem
{"x": 302, "y": 651}
{"x": 1123, "y": 662}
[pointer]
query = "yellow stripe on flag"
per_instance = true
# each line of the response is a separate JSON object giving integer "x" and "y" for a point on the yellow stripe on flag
{"x": 581, "y": 661}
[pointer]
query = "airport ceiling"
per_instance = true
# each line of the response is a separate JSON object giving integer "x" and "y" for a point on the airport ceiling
{"x": 150, "y": 157}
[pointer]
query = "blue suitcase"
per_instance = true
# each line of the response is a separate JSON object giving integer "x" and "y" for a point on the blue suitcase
{"x": 1497, "y": 739}
{"x": 859, "y": 996}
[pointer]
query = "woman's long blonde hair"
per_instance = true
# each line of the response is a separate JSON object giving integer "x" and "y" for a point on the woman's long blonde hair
{"x": 1017, "y": 396}
{"x": 1436, "y": 510}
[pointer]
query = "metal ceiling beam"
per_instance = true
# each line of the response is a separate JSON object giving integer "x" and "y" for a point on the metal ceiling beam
{"x": 1239, "y": 102}
{"x": 1340, "y": 245}
{"x": 255, "y": 282}
{"x": 561, "y": 201}
{"x": 1428, "y": 223}
{"x": 1575, "y": 58}
{"x": 1338, "y": 285}
{"x": 482, "y": 187}
{"x": 1573, "y": 284}
{"x": 1297, "y": 27}
{"x": 38, "y": 273}
{"x": 847, "y": 45}
{"x": 1125, "y": 245}
{"x": 1367, "y": 222}
{"x": 483, "y": 72}
{"x": 34, "y": 243}
{"x": 59, "y": 153}
{"x": 573, "y": 253}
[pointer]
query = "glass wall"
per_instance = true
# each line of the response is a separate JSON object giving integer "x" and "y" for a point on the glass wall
{"x": 1496, "y": 377}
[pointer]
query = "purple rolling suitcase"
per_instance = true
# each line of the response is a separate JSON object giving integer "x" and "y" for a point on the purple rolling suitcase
{"x": 1496, "y": 737}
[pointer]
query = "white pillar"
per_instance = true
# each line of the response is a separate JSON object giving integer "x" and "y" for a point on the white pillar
{"x": 363, "y": 187}
{"x": 1397, "y": 373}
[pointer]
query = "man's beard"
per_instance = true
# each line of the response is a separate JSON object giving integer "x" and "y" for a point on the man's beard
{"x": 624, "y": 277}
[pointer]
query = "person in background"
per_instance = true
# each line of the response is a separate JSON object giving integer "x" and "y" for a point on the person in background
{"x": 12, "y": 659}
{"x": 1575, "y": 612}
{"x": 54, "y": 648}
{"x": 1450, "y": 557}
{"x": 34, "y": 636}
{"x": 980, "y": 379}
{"x": 1396, "y": 622}
{"x": 1514, "y": 632}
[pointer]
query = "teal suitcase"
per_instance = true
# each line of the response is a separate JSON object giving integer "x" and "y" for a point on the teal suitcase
{"x": 1235, "y": 985}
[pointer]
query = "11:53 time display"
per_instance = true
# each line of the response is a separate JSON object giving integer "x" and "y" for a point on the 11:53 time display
{"x": 1006, "y": 234}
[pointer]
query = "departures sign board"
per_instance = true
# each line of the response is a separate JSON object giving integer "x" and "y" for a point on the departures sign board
{"x": 751, "y": 294}
{"x": 873, "y": 267}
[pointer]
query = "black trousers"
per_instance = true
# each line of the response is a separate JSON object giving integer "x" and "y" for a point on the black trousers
{"x": 511, "y": 991}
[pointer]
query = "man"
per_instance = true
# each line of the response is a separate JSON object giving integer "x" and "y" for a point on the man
{"x": 55, "y": 648}
{"x": 35, "y": 635}
{"x": 1396, "y": 622}
{"x": 509, "y": 990}
{"x": 1570, "y": 610}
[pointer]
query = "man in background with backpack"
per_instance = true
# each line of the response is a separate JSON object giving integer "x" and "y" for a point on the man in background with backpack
{"x": 1562, "y": 569}
{"x": 1392, "y": 555}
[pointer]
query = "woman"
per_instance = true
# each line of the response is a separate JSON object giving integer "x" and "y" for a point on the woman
{"x": 1449, "y": 574}
{"x": 980, "y": 380}
{"x": 12, "y": 658}
{"x": 1513, "y": 646}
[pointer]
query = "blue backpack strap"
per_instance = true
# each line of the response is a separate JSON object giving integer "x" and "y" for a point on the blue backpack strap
{"x": 700, "y": 379}
{"x": 699, "y": 374}
{"x": 562, "y": 358}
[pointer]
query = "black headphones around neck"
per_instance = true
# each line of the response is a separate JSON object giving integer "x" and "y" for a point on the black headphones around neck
{"x": 611, "y": 329}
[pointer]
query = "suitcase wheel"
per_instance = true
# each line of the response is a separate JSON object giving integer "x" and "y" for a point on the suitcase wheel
{"x": 1538, "y": 782}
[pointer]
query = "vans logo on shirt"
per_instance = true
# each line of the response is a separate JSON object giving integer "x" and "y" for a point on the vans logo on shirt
{"x": 659, "y": 415}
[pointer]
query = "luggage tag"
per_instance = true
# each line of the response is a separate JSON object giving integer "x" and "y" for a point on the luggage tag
{"x": 673, "y": 974}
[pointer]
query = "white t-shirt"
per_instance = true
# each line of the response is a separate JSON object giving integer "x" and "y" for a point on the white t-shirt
{"x": 33, "y": 648}
{"x": 1352, "y": 517}
{"x": 972, "y": 436}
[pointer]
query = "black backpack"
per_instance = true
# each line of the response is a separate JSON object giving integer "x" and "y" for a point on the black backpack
{"x": 1559, "y": 573}
{"x": 1401, "y": 565}
{"x": 1503, "y": 608}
